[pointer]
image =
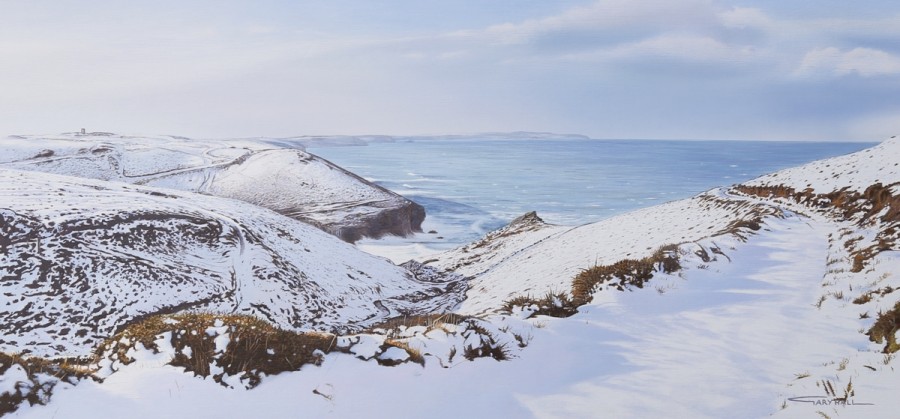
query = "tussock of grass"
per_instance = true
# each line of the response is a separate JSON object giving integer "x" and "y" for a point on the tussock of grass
{"x": 429, "y": 321}
{"x": 480, "y": 342}
{"x": 862, "y": 299}
{"x": 489, "y": 346}
{"x": 255, "y": 346}
{"x": 739, "y": 227}
{"x": 623, "y": 274}
{"x": 551, "y": 304}
{"x": 885, "y": 329}
{"x": 43, "y": 375}
{"x": 866, "y": 297}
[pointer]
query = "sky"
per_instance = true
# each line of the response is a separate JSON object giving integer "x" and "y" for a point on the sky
{"x": 649, "y": 69}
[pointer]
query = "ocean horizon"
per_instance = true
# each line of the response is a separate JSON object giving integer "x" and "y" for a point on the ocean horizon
{"x": 470, "y": 186}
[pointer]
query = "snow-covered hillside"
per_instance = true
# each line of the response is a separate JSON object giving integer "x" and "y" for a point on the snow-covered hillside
{"x": 80, "y": 258}
{"x": 533, "y": 258}
{"x": 775, "y": 297}
{"x": 856, "y": 171}
{"x": 271, "y": 174}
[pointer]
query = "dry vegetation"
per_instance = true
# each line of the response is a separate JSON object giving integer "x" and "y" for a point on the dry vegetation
{"x": 877, "y": 204}
{"x": 430, "y": 321}
{"x": 554, "y": 304}
{"x": 877, "y": 207}
{"x": 489, "y": 343}
{"x": 255, "y": 347}
{"x": 885, "y": 329}
{"x": 622, "y": 275}
{"x": 42, "y": 376}
{"x": 627, "y": 274}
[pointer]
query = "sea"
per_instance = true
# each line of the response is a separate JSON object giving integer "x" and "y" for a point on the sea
{"x": 470, "y": 186}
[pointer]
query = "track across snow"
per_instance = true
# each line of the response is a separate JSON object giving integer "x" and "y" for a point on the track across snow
{"x": 719, "y": 344}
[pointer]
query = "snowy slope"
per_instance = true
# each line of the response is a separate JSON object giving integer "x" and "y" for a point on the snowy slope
{"x": 755, "y": 322}
{"x": 538, "y": 258}
{"x": 721, "y": 341}
{"x": 80, "y": 258}
{"x": 856, "y": 171}
{"x": 548, "y": 258}
{"x": 275, "y": 176}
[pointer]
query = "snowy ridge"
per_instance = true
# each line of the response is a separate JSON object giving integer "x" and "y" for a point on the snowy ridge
{"x": 856, "y": 171}
{"x": 548, "y": 258}
{"x": 80, "y": 258}
{"x": 280, "y": 176}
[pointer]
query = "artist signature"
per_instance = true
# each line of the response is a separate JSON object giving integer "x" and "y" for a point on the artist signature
{"x": 828, "y": 401}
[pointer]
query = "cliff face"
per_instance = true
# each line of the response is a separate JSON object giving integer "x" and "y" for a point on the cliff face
{"x": 399, "y": 218}
{"x": 286, "y": 180}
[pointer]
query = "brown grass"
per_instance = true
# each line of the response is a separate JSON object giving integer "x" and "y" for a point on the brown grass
{"x": 38, "y": 390}
{"x": 849, "y": 205}
{"x": 885, "y": 329}
{"x": 489, "y": 346}
{"x": 624, "y": 274}
{"x": 551, "y": 304}
{"x": 868, "y": 296}
{"x": 255, "y": 346}
{"x": 429, "y": 321}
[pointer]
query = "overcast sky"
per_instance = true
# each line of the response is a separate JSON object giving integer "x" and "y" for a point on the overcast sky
{"x": 692, "y": 69}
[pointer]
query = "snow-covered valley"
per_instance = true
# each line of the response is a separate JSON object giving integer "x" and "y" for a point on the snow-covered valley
{"x": 771, "y": 297}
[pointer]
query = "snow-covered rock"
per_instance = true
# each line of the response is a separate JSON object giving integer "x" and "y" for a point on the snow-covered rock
{"x": 272, "y": 174}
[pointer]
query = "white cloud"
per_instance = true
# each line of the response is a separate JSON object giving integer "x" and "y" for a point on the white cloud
{"x": 688, "y": 48}
{"x": 245, "y": 72}
{"x": 868, "y": 62}
{"x": 744, "y": 17}
{"x": 831, "y": 61}
{"x": 603, "y": 16}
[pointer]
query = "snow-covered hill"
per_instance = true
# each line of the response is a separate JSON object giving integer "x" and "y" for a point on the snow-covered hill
{"x": 856, "y": 171}
{"x": 271, "y": 174}
{"x": 80, "y": 258}
{"x": 778, "y": 296}
{"x": 532, "y": 258}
